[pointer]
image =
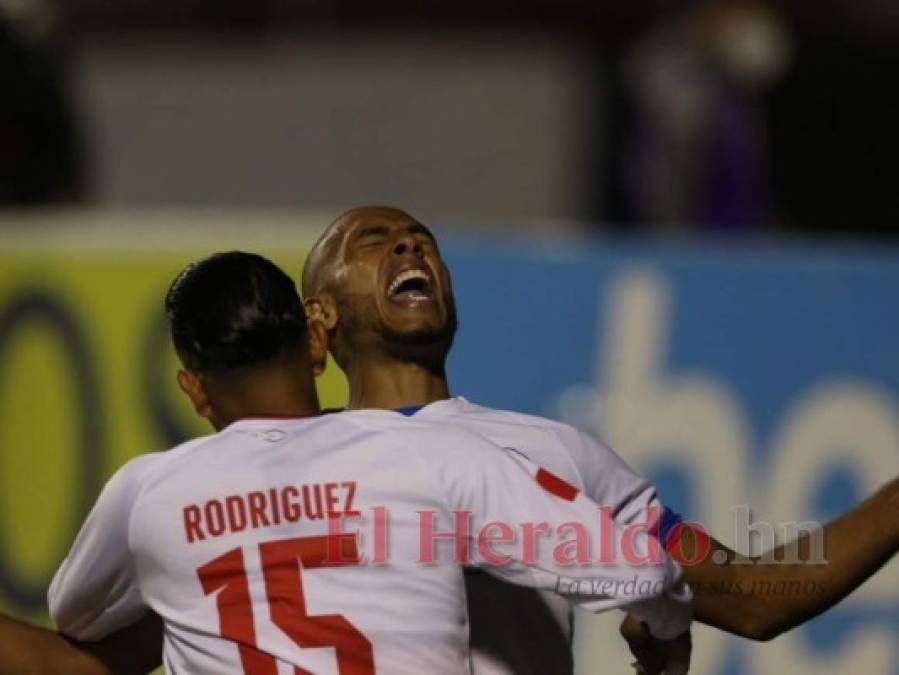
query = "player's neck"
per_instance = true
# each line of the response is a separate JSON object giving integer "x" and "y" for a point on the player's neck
{"x": 267, "y": 397}
{"x": 390, "y": 384}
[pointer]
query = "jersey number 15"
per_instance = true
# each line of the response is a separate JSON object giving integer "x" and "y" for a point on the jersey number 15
{"x": 282, "y": 563}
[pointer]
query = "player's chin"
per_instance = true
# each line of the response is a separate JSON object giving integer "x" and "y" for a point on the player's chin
{"x": 420, "y": 329}
{"x": 418, "y": 321}
{"x": 415, "y": 316}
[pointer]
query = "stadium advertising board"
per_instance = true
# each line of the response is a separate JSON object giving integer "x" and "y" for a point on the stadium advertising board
{"x": 766, "y": 379}
{"x": 754, "y": 386}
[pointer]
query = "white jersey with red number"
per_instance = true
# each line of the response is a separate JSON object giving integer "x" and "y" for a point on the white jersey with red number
{"x": 227, "y": 538}
{"x": 501, "y": 614}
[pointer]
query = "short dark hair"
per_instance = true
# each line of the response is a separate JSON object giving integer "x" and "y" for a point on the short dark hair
{"x": 234, "y": 310}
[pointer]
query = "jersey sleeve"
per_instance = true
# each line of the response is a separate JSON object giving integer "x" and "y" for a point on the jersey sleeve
{"x": 609, "y": 480}
{"x": 624, "y": 565}
{"x": 95, "y": 591}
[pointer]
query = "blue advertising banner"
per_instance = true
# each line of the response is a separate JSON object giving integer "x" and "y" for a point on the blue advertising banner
{"x": 752, "y": 385}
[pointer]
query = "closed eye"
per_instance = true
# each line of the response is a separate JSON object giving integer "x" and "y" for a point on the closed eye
{"x": 423, "y": 233}
{"x": 369, "y": 236}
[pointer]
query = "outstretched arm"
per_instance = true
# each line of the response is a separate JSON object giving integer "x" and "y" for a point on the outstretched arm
{"x": 739, "y": 596}
{"x": 29, "y": 650}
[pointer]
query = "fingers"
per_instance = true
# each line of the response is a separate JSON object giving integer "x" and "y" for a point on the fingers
{"x": 655, "y": 657}
{"x": 679, "y": 652}
{"x": 633, "y": 630}
{"x": 642, "y": 669}
{"x": 650, "y": 660}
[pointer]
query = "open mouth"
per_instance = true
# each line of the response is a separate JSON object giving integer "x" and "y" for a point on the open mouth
{"x": 410, "y": 285}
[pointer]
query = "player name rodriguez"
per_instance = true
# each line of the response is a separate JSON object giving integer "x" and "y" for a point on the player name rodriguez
{"x": 269, "y": 507}
{"x": 572, "y": 543}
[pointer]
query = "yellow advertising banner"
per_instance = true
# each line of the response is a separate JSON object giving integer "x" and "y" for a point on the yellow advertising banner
{"x": 87, "y": 374}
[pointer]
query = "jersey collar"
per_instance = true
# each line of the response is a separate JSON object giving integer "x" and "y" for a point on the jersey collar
{"x": 408, "y": 410}
{"x": 446, "y": 406}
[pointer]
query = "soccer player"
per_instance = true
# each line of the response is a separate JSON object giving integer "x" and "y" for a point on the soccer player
{"x": 376, "y": 281}
{"x": 245, "y": 542}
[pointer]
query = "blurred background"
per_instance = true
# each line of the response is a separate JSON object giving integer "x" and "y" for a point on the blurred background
{"x": 733, "y": 115}
{"x": 699, "y": 198}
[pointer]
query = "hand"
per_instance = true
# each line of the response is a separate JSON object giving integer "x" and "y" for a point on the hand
{"x": 654, "y": 656}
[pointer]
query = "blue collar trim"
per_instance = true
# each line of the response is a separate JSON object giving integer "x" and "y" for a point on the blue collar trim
{"x": 409, "y": 410}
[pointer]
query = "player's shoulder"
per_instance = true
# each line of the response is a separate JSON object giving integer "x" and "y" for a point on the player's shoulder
{"x": 432, "y": 452}
{"x": 418, "y": 430}
{"x": 572, "y": 452}
{"x": 550, "y": 429}
{"x": 143, "y": 469}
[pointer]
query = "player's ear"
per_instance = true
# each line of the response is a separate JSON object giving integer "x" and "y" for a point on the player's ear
{"x": 321, "y": 308}
{"x": 192, "y": 385}
{"x": 318, "y": 347}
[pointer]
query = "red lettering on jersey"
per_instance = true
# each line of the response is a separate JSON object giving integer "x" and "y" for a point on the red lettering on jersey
{"x": 552, "y": 483}
{"x": 215, "y": 517}
{"x": 269, "y": 507}
{"x": 342, "y": 548}
{"x": 237, "y": 513}
{"x": 192, "y": 517}
{"x": 331, "y": 499}
{"x": 350, "y": 496}
{"x": 257, "y": 509}
{"x": 291, "y": 509}
{"x": 226, "y": 576}
{"x": 282, "y": 565}
{"x": 276, "y": 510}
{"x": 319, "y": 510}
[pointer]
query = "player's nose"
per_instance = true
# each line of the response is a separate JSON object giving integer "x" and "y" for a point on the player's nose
{"x": 406, "y": 244}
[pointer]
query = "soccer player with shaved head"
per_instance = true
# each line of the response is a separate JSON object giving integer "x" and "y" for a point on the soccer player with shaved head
{"x": 377, "y": 283}
{"x": 391, "y": 318}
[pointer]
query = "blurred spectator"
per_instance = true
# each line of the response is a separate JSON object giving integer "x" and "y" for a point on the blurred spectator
{"x": 40, "y": 151}
{"x": 693, "y": 148}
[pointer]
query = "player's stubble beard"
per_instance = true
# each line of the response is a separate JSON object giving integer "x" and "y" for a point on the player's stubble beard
{"x": 367, "y": 334}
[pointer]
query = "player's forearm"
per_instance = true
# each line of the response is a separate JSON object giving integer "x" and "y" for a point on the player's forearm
{"x": 855, "y": 546}
{"x": 762, "y": 599}
{"x": 29, "y": 650}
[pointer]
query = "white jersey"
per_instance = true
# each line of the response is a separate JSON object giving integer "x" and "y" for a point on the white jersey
{"x": 228, "y": 539}
{"x": 501, "y": 614}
